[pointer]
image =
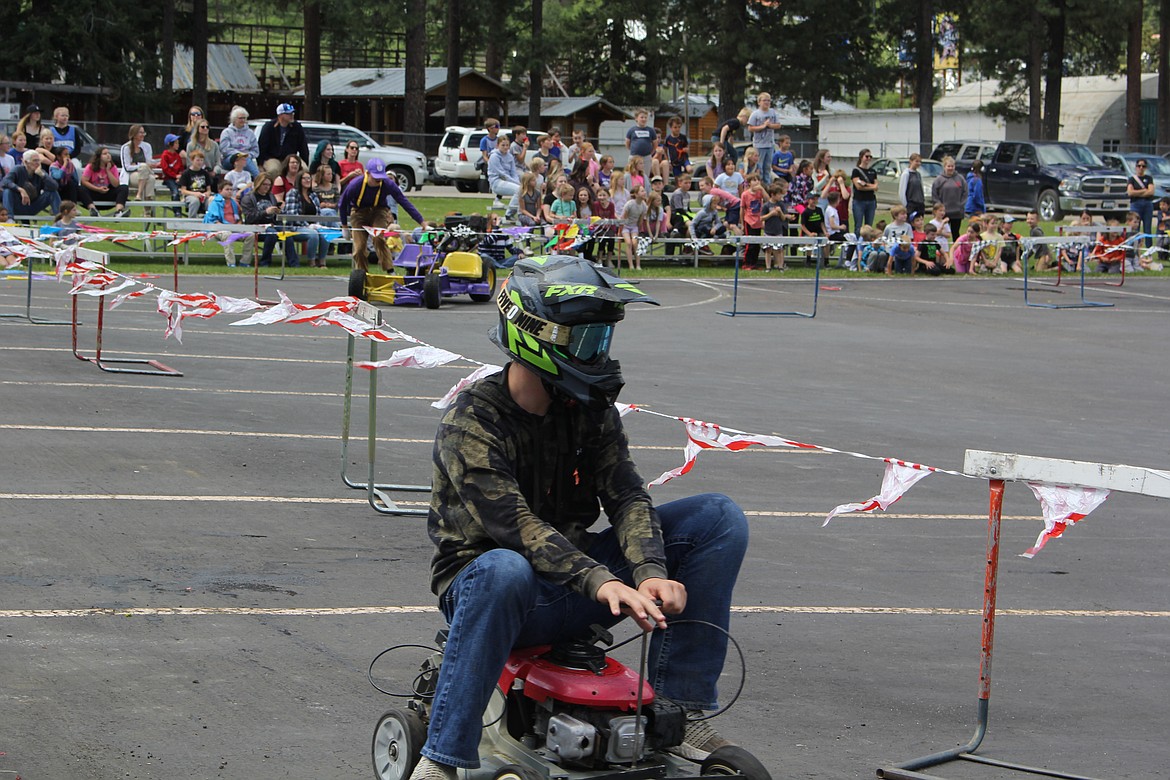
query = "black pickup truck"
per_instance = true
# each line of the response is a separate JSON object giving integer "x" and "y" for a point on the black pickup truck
{"x": 1053, "y": 177}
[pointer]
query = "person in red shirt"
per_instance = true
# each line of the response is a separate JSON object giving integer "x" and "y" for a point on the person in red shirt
{"x": 751, "y": 209}
{"x": 172, "y": 164}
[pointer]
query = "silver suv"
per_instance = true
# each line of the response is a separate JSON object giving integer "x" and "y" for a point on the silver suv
{"x": 459, "y": 151}
{"x": 408, "y": 167}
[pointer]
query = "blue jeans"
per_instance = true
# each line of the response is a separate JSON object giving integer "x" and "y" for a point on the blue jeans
{"x": 46, "y": 200}
{"x": 864, "y": 212}
{"x": 1145, "y": 210}
{"x": 315, "y": 246}
{"x": 766, "y": 154}
{"x": 498, "y": 602}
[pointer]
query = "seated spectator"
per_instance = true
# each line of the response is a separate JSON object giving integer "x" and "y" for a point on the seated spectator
{"x": 1042, "y": 253}
{"x": 899, "y": 227}
{"x": 588, "y": 155}
{"x": 965, "y": 250}
{"x": 29, "y": 189}
{"x": 873, "y": 254}
{"x": 238, "y": 138}
{"x": 707, "y": 223}
{"x": 171, "y": 164}
{"x": 528, "y": 204}
{"x": 502, "y": 176}
{"x": 298, "y": 201}
{"x": 725, "y": 199}
{"x": 281, "y": 138}
{"x": 224, "y": 209}
{"x": 196, "y": 185}
{"x": 605, "y": 168}
{"x": 635, "y": 175}
{"x": 903, "y": 256}
{"x": 136, "y": 172}
{"x": 327, "y": 190}
{"x": 64, "y": 134}
{"x": 930, "y": 258}
{"x": 260, "y": 208}
{"x": 65, "y": 172}
{"x": 349, "y": 165}
{"x": 5, "y": 217}
{"x": 100, "y": 183}
{"x": 833, "y": 227}
{"x": 1009, "y": 258}
{"x": 201, "y": 139}
{"x": 45, "y": 147}
{"x": 992, "y": 253}
{"x": 238, "y": 173}
{"x": 1109, "y": 250}
{"x": 7, "y": 161}
{"x": 324, "y": 155}
{"x": 290, "y": 173}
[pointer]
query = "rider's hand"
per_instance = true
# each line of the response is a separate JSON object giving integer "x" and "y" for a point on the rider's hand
{"x": 621, "y": 598}
{"x": 671, "y": 593}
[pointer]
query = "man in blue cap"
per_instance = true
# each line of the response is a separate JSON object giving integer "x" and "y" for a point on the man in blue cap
{"x": 366, "y": 203}
{"x": 281, "y": 137}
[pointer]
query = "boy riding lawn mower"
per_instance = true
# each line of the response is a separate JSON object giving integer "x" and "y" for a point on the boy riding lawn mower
{"x": 562, "y": 712}
{"x": 426, "y": 274}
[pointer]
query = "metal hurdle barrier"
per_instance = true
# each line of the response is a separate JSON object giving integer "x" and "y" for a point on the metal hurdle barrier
{"x": 157, "y": 368}
{"x": 376, "y": 493}
{"x": 817, "y": 246}
{"x": 1083, "y": 303}
{"x": 27, "y": 315}
{"x": 999, "y": 468}
{"x": 1086, "y": 230}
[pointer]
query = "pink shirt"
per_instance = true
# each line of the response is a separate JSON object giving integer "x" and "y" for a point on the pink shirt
{"x": 731, "y": 200}
{"x": 102, "y": 178}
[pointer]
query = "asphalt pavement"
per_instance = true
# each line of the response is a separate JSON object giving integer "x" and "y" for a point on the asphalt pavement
{"x": 188, "y": 589}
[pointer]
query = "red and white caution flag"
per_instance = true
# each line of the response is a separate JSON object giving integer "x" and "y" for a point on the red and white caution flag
{"x": 709, "y": 436}
{"x": 485, "y": 370}
{"x": 1062, "y": 506}
{"x": 899, "y": 477}
{"x": 413, "y": 357}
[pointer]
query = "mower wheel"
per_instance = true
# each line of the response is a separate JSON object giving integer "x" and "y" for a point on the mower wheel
{"x": 357, "y": 284}
{"x": 398, "y": 738}
{"x": 734, "y": 760}
{"x": 433, "y": 290}
{"x": 490, "y": 278}
{"x": 516, "y": 772}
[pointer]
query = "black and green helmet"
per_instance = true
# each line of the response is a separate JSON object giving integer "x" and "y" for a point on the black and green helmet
{"x": 557, "y": 315}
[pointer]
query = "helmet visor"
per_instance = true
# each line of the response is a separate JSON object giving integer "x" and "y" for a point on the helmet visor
{"x": 590, "y": 343}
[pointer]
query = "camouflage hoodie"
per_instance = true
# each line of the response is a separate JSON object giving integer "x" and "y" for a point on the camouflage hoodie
{"x": 507, "y": 478}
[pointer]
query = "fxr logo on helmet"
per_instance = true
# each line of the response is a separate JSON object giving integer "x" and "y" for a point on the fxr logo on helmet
{"x": 559, "y": 290}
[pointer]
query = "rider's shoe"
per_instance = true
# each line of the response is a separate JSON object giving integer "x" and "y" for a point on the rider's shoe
{"x": 427, "y": 769}
{"x": 700, "y": 739}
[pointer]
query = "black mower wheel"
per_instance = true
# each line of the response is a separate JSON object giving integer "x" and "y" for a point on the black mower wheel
{"x": 734, "y": 760}
{"x": 398, "y": 738}
{"x": 490, "y": 278}
{"x": 357, "y": 284}
{"x": 517, "y": 772}
{"x": 433, "y": 290}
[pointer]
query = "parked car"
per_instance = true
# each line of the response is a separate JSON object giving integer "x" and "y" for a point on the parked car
{"x": 408, "y": 167}
{"x": 1053, "y": 177}
{"x": 965, "y": 153}
{"x": 889, "y": 177}
{"x": 459, "y": 150}
{"x": 1158, "y": 168}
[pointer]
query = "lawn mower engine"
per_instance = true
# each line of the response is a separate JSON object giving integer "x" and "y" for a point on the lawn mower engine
{"x": 580, "y": 707}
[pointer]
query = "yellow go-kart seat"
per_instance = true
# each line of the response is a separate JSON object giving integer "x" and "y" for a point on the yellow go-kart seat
{"x": 466, "y": 265}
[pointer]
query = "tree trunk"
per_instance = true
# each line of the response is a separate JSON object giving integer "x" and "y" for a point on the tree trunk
{"x": 199, "y": 55}
{"x": 1133, "y": 80}
{"x": 535, "y": 72}
{"x": 454, "y": 58}
{"x": 1164, "y": 78}
{"x": 414, "y": 119}
{"x": 168, "y": 56}
{"x": 493, "y": 60}
{"x": 653, "y": 60}
{"x": 925, "y": 86}
{"x": 312, "y": 14}
{"x": 1054, "y": 71}
{"x": 1033, "y": 72}
{"x": 731, "y": 72}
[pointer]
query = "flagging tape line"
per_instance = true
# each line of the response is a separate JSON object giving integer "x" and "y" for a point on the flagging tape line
{"x": 41, "y": 614}
{"x": 92, "y": 278}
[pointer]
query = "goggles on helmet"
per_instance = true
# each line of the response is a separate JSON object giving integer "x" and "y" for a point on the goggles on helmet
{"x": 587, "y": 343}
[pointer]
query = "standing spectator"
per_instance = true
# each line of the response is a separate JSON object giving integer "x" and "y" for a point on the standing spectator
{"x": 635, "y": 173}
{"x": 775, "y": 225}
{"x": 975, "y": 204}
{"x": 136, "y": 157}
{"x": 100, "y": 181}
{"x": 350, "y": 166}
{"x": 839, "y": 184}
{"x": 821, "y": 174}
{"x": 29, "y": 126}
{"x": 680, "y": 210}
{"x": 201, "y": 139}
{"x": 194, "y": 117}
{"x": 763, "y": 124}
{"x": 555, "y": 149}
{"x": 677, "y": 148}
{"x": 802, "y": 183}
{"x": 238, "y": 137}
{"x": 731, "y": 179}
{"x": 64, "y": 134}
{"x": 171, "y": 165}
{"x": 864, "y": 191}
{"x": 752, "y": 216}
{"x": 196, "y": 185}
{"x": 281, "y": 137}
{"x": 19, "y": 145}
{"x": 487, "y": 144}
{"x": 784, "y": 161}
{"x": 750, "y": 163}
{"x": 641, "y": 140}
{"x": 1141, "y": 196}
{"x": 910, "y": 187}
{"x": 365, "y": 202}
{"x": 950, "y": 189}
{"x": 224, "y": 209}
{"x": 544, "y": 150}
{"x": 324, "y": 155}
{"x": 573, "y": 153}
{"x": 727, "y": 133}
{"x": 519, "y": 147}
{"x": 632, "y": 216}
{"x": 29, "y": 189}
